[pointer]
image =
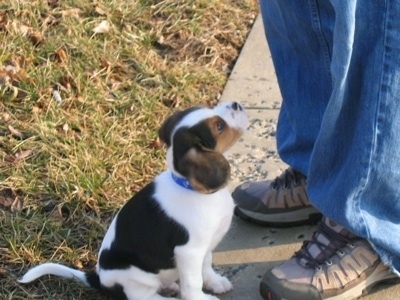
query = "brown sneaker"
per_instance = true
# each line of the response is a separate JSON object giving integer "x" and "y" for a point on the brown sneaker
{"x": 279, "y": 202}
{"x": 334, "y": 265}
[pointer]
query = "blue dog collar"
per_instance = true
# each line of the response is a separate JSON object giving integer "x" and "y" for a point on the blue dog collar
{"x": 183, "y": 182}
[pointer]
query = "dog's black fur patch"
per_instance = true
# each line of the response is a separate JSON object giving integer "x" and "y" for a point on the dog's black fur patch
{"x": 145, "y": 236}
{"x": 116, "y": 292}
{"x": 168, "y": 126}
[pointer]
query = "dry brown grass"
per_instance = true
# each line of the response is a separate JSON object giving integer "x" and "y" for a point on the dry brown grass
{"x": 118, "y": 68}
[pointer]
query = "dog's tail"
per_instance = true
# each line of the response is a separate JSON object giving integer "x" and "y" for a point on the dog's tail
{"x": 89, "y": 279}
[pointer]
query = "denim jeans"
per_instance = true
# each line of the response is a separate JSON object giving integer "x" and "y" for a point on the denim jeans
{"x": 338, "y": 68}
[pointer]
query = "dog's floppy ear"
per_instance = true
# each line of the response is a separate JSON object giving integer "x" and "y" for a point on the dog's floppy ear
{"x": 170, "y": 123}
{"x": 206, "y": 169}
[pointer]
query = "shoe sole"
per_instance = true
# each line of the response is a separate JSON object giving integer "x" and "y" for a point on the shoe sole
{"x": 359, "y": 290}
{"x": 307, "y": 215}
{"x": 365, "y": 287}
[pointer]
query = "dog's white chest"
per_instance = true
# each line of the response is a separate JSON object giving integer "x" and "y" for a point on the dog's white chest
{"x": 206, "y": 216}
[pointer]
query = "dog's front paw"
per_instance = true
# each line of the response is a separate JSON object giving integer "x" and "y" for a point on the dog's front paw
{"x": 199, "y": 296}
{"x": 209, "y": 297}
{"x": 169, "y": 290}
{"x": 217, "y": 284}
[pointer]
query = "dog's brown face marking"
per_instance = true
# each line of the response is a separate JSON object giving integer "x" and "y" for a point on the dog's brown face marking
{"x": 224, "y": 135}
{"x": 198, "y": 138}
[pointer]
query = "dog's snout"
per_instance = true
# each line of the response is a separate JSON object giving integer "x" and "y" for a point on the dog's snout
{"x": 233, "y": 113}
{"x": 236, "y": 106}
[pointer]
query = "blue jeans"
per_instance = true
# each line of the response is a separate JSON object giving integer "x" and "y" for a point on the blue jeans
{"x": 338, "y": 68}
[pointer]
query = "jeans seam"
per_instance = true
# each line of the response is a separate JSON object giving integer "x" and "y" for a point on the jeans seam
{"x": 378, "y": 117}
{"x": 316, "y": 24}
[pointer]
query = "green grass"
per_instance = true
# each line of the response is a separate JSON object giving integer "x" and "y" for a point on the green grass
{"x": 67, "y": 167}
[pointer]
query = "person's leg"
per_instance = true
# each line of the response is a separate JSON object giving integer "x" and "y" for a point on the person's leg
{"x": 354, "y": 168}
{"x": 301, "y": 48}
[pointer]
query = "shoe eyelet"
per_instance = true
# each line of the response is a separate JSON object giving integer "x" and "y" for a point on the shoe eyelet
{"x": 318, "y": 268}
{"x": 351, "y": 245}
{"x": 328, "y": 263}
{"x": 340, "y": 253}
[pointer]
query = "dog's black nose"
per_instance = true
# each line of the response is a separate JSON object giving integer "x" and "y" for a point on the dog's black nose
{"x": 236, "y": 106}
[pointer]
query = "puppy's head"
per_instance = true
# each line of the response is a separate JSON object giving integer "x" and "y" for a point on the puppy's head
{"x": 197, "y": 138}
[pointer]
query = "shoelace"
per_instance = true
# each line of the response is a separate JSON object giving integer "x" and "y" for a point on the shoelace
{"x": 336, "y": 242}
{"x": 287, "y": 178}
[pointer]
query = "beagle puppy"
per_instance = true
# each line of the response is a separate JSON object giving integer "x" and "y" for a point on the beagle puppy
{"x": 167, "y": 231}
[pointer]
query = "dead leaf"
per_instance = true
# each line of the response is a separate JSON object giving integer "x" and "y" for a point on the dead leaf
{"x": 80, "y": 99}
{"x": 156, "y": 144}
{"x": 36, "y": 110}
{"x": 65, "y": 127}
{"x": 50, "y": 20}
{"x": 13, "y": 92}
{"x": 7, "y": 197}
{"x": 105, "y": 64}
{"x": 6, "y": 201}
{"x": 103, "y": 27}
{"x": 18, "y": 94}
{"x": 36, "y": 37}
{"x": 3, "y": 20}
{"x": 21, "y": 62}
{"x": 21, "y": 75}
{"x": 5, "y": 117}
{"x": 21, "y": 28}
{"x": 10, "y": 158}
{"x": 56, "y": 215}
{"x": 33, "y": 35}
{"x": 67, "y": 82}
{"x": 75, "y": 12}
{"x": 3, "y": 271}
{"x": 4, "y": 78}
{"x": 100, "y": 11}
{"x": 53, "y": 3}
{"x": 11, "y": 70}
{"x": 172, "y": 101}
{"x": 57, "y": 96}
{"x": 17, "y": 205}
{"x": 14, "y": 132}
{"x": 78, "y": 264}
{"x": 61, "y": 55}
{"x": 23, "y": 154}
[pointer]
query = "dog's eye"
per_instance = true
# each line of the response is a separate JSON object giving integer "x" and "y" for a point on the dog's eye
{"x": 220, "y": 126}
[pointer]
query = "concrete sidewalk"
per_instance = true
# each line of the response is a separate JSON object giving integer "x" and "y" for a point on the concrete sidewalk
{"x": 249, "y": 250}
